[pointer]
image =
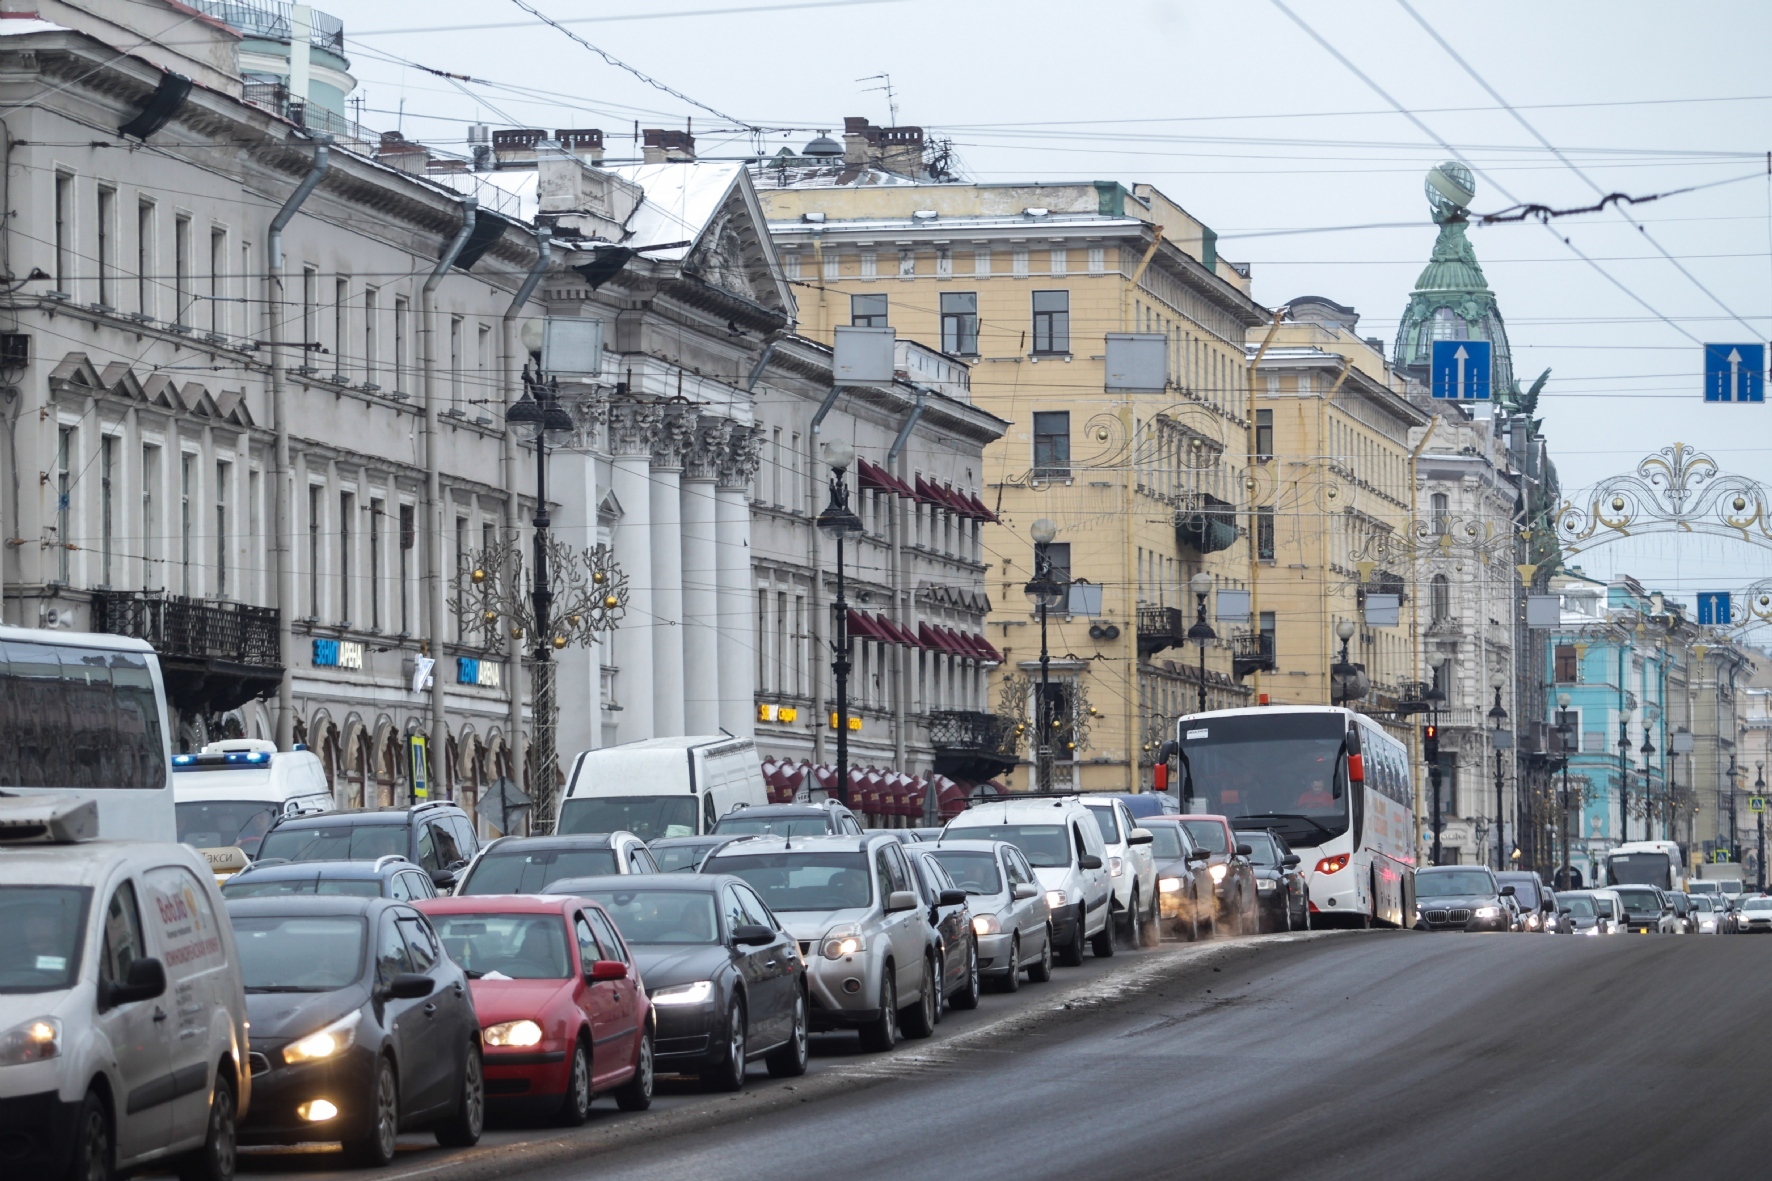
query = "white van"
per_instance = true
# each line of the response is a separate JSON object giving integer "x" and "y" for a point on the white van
{"x": 122, "y": 1010}
{"x": 228, "y": 794}
{"x": 661, "y": 787}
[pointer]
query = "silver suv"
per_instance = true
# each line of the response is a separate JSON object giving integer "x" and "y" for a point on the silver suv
{"x": 851, "y": 904}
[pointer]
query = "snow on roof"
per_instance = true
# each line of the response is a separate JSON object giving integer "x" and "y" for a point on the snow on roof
{"x": 18, "y": 26}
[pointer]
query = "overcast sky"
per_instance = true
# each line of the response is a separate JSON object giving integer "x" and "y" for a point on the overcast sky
{"x": 1235, "y": 112}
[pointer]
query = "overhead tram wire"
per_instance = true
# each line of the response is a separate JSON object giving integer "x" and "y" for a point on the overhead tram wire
{"x": 1461, "y": 158}
{"x": 1570, "y": 164}
{"x": 628, "y": 16}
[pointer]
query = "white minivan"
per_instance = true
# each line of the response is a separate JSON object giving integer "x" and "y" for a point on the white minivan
{"x": 122, "y": 1012}
{"x": 661, "y": 787}
{"x": 228, "y": 794}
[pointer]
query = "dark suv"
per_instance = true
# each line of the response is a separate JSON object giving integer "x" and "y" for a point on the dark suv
{"x": 390, "y": 876}
{"x": 1461, "y": 898}
{"x": 437, "y": 836}
{"x": 790, "y": 820}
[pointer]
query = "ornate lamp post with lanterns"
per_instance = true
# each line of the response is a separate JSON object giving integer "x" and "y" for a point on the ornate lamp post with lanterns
{"x": 839, "y": 522}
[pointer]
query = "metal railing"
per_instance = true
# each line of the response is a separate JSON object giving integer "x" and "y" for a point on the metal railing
{"x": 1160, "y": 628}
{"x": 962, "y": 731}
{"x": 1252, "y": 652}
{"x": 198, "y": 628}
{"x": 272, "y": 19}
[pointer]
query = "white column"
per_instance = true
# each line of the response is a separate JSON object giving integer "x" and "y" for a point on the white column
{"x": 632, "y": 426}
{"x": 737, "y": 643}
{"x": 667, "y": 573}
{"x": 701, "y": 579}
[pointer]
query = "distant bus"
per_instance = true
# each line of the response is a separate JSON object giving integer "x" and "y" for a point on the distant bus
{"x": 86, "y": 715}
{"x": 1331, "y": 782}
{"x": 1646, "y": 863}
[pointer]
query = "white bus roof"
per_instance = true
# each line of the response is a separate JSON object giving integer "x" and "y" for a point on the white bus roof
{"x": 71, "y": 639}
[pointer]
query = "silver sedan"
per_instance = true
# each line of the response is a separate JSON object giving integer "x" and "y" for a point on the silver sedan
{"x": 1008, "y": 908}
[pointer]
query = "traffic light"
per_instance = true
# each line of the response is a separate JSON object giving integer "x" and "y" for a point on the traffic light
{"x": 1430, "y": 741}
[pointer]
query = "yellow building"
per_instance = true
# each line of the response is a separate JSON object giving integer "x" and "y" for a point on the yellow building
{"x": 1025, "y": 282}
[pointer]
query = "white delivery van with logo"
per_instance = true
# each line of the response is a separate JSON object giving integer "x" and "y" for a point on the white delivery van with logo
{"x": 662, "y": 787}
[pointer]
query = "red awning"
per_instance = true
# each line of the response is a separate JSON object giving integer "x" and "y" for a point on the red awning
{"x": 925, "y": 492}
{"x": 954, "y": 500}
{"x": 869, "y": 476}
{"x": 963, "y": 645}
{"x": 862, "y": 626}
{"x": 928, "y": 637}
{"x": 979, "y": 510}
{"x": 990, "y": 652}
{"x": 899, "y": 634}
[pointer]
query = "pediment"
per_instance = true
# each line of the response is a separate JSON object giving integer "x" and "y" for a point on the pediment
{"x": 160, "y": 390}
{"x": 735, "y": 253}
{"x": 77, "y": 370}
{"x": 232, "y": 407}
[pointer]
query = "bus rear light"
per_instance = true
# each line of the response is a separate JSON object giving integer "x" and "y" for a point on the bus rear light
{"x": 1334, "y": 864}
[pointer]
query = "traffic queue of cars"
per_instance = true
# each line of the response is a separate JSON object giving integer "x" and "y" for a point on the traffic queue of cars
{"x": 1475, "y": 898}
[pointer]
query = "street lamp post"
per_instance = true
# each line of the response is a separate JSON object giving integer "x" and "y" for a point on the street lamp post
{"x": 1046, "y": 591}
{"x": 1648, "y": 752}
{"x": 1624, "y": 776}
{"x": 1341, "y": 673}
{"x": 1201, "y": 633}
{"x": 839, "y": 522}
{"x": 1760, "y": 791}
{"x": 1498, "y": 716}
{"x": 1734, "y": 828}
{"x": 1435, "y": 695}
{"x": 1565, "y": 731}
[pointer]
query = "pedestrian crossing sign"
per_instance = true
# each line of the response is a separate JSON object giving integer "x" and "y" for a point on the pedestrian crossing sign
{"x": 1756, "y": 803}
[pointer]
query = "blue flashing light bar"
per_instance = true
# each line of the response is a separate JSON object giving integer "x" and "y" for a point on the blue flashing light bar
{"x": 221, "y": 762}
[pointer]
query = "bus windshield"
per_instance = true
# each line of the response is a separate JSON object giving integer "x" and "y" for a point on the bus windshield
{"x": 1280, "y": 769}
{"x": 1640, "y": 869}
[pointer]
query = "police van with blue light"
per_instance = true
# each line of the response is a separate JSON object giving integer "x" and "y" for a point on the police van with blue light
{"x": 230, "y": 793}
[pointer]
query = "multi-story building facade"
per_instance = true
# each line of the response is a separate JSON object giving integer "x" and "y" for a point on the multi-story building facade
{"x": 1024, "y": 282}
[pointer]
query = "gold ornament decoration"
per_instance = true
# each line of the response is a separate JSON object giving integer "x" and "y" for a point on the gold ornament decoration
{"x": 478, "y": 576}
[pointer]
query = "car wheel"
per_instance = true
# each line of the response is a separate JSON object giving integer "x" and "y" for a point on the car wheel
{"x": 1153, "y": 928}
{"x": 941, "y": 979}
{"x": 1040, "y": 971}
{"x": 726, "y": 1073}
{"x": 94, "y": 1141}
{"x": 463, "y": 1127}
{"x": 215, "y": 1160}
{"x": 966, "y": 996}
{"x": 575, "y": 1107}
{"x": 376, "y": 1149}
{"x": 1135, "y": 923}
{"x": 1071, "y": 955}
{"x": 881, "y": 1034}
{"x": 1010, "y": 981}
{"x": 919, "y": 1020}
{"x": 1286, "y": 906}
{"x": 790, "y": 1060}
{"x": 1103, "y": 944}
{"x": 636, "y": 1093}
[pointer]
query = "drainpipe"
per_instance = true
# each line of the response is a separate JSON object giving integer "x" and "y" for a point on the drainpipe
{"x": 513, "y": 369}
{"x": 438, "y": 744}
{"x": 283, "y": 545}
{"x": 901, "y": 665}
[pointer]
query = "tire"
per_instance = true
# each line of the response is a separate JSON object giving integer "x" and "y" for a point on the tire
{"x": 1040, "y": 971}
{"x": 95, "y": 1142}
{"x": 1103, "y": 944}
{"x": 727, "y": 1071}
{"x": 966, "y": 996}
{"x": 463, "y": 1127}
{"x": 216, "y": 1159}
{"x": 881, "y": 1034}
{"x": 376, "y": 1150}
{"x": 1010, "y": 981}
{"x": 1071, "y": 955}
{"x": 575, "y": 1107}
{"x": 1135, "y": 922}
{"x": 1153, "y": 926}
{"x": 636, "y": 1093}
{"x": 1286, "y": 907}
{"x": 919, "y": 1020}
{"x": 789, "y": 1061}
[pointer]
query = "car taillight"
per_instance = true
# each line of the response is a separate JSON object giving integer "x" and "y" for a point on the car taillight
{"x": 1334, "y": 864}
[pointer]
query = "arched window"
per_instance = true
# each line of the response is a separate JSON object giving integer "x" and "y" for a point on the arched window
{"x": 1440, "y": 598}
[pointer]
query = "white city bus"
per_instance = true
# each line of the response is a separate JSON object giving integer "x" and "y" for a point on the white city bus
{"x": 86, "y": 715}
{"x": 1330, "y": 782}
{"x": 1646, "y": 863}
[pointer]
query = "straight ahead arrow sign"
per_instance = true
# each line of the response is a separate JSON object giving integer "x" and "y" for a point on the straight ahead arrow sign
{"x": 1734, "y": 360}
{"x": 1461, "y": 357}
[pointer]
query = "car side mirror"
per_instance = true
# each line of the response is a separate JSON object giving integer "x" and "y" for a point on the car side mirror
{"x": 752, "y": 935}
{"x": 607, "y": 970}
{"x": 410, "y": 986}
{"x": 146, "y": 980}
{"x": 444, "y": 879}
{"x": 1245, "y": 850}
{"x": 1199, "y": 855}
{"x": 1289, "y": 859}
{"x": 952, "y": 898}
{"x": 1507, "y": 891}
{"x": 1139, "y": 836}
{"x": 1089, "y": 861}
{"x": 901, "y": 900}
{"x": 1026, "y": 890}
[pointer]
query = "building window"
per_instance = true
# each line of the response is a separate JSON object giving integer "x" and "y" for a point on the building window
{"x": 222, "y": 471}
{"x": 959, "y": 323}
{"x": 107, "y": 469}
{"x": 64, "y": 233}
{"x": 186, "y": 478}
{"x": 347, "y": 507}
{"x": 867, "y": 311}
{"x": 316, "y": 512}
{"x": 371, "y": 345}
{"x": 1568, "y": 668}
{"x": 1439, "y": 599}
{"x": 182, "y": 297}
{"x": 150, "y": 517}
{"x": 376, "y": 508}
{"x": 341, "y": 327}
{"x": 254, "y": 531}
{"x": 1442, "y": 513}
{"x": 402, "y": 313}
{"x": 107, "y": 245}
{"x": 144, "y": 258}
{"x": 1269, "y": 628}
{"x": 64, "y": 460}
{"x": 218, "y": 281}
{"x": 408, "y": 538}
{"x": 1264, "y": 434}
{"x": 461, "y": 569}
{"x": 1052, "y": 321}
{"x": 1052, "y": 444}
{"x": 1264, "y": 533}
{"x": 1443, "y": 682}
{"x": 456, "y": 364}
{"x": 1059, "y": 554}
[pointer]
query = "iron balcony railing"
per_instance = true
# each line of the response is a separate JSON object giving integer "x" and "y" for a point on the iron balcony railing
{"x": 961, "y": 731}
{"x": 272, "y": 19}
{"x": 205, "y": 629}
{"x": 1252, "y": 652}
{"x": 1160, "y": 628}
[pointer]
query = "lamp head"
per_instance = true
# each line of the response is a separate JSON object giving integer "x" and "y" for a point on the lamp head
{"x": 531, "y": 334}
{"x": 1563, "y": 700}
{"x": 1344, "y": 630}
{"x": 1043, "y": 531}
{"x": 839, "y": 454}
{"x": 525, "y": 417}
{"x": 1201, "y": 583}
{"x": 1497, "y": 679}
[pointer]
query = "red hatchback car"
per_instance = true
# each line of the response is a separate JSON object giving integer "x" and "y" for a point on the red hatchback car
{"x": 563, "y": 1013}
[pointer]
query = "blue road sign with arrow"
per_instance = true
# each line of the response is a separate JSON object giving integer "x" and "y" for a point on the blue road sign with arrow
{"x": 1715, "y": 608}
{"x": 1734, "y": 372}
{"x": 1461, "y": 370}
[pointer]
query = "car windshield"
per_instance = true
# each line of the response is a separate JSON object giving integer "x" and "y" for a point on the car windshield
{"x": 1757, "y": 904}
{"x": 1702, "y": 888}
{"x": 1262, "y": 850}
{"x": 1525, "y": 892}
{"x": 335, "y": 842}
{"x": 782, "y": 826}
{"x": 1640, "y": 901}
{"x": 647, "y": 817}
{"x": 506, "y": 946}
{"x": 43, "y": 924}
{"x": 1453, "y": 884}
{"x": 1282, "y": 771}
{"x": 1166, "y": 842}
{"x": 802, "y": 881}
{"x": 1208, "y": 835}
{"x": 679, "y": 858}
{"x": 1581, "y": 908}
{"x": 533, "y": 871}
{"x": 1046, "y": 846}
{"x": 279, "y": 887}
{"x": 220, "y": 824}
{"x": 661, "y": 916}
{"x": 975, "y": 873}
{"x": 1104, "y": 819}
{"x": 1700, "y": 902}
{"x": 300, "y": 953}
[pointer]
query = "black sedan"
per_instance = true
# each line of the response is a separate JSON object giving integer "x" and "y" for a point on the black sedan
{"x": 727, "y": 983}
{"x": 1186, "y": 899}
{"x": 1282, "y": 898}
{"x": 361, "y": 1027}
{"x": 1461, "y": 898}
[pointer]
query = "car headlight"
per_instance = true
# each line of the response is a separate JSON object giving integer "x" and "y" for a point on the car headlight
{"x": 36, "y": 1040}
{"x": 324, "y": 1043}
{"x": 512, "y": 1033}
{"x": 1488, "y": 912}
{"x": 1116, "y": 866}
{"x": 684, "y": 994}
{"x": 1418, "y": 914}
{"x": 986, "y": 924}
{"x": 1054, "y": 899}
{"x": 1169, "y": 885}
{"x": 1218, "y": 871}
{"x": 1266, "y": 885}
{"x": 1532, "y": 921}
{"x": 843, "y": 943}
{"x": 1593, "y": 930}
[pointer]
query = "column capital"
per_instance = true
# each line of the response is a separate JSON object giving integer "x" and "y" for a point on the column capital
{"x": 633, "y": 428}
{"x": 742, "y": 457}
{"x": 676, "y": 435}
{"x": 712, "y": 437}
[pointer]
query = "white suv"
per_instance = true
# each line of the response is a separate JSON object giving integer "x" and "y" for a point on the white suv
{"x": 1062, "y": 841}
{"x": 1132, "y": 871}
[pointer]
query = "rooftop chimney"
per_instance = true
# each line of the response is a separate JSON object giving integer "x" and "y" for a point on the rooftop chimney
{"x": 667, "y": 146}
{"x": 515, "y": 147}
{"x": 396, "y": 151}
{"x": 896, "y": 149}
{"x": 584, "y": 142}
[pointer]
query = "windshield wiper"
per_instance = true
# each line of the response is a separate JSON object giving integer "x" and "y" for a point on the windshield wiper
{"x": 1326, "y": 831}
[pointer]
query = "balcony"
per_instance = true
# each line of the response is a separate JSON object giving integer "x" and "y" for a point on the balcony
{"x": 1206, "y": 524}
{"x": 215, "y": 655}
{"x": 1160, "y": 628}
{"x": 971, "y": 746}
{"x": 1252, "y": 652}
